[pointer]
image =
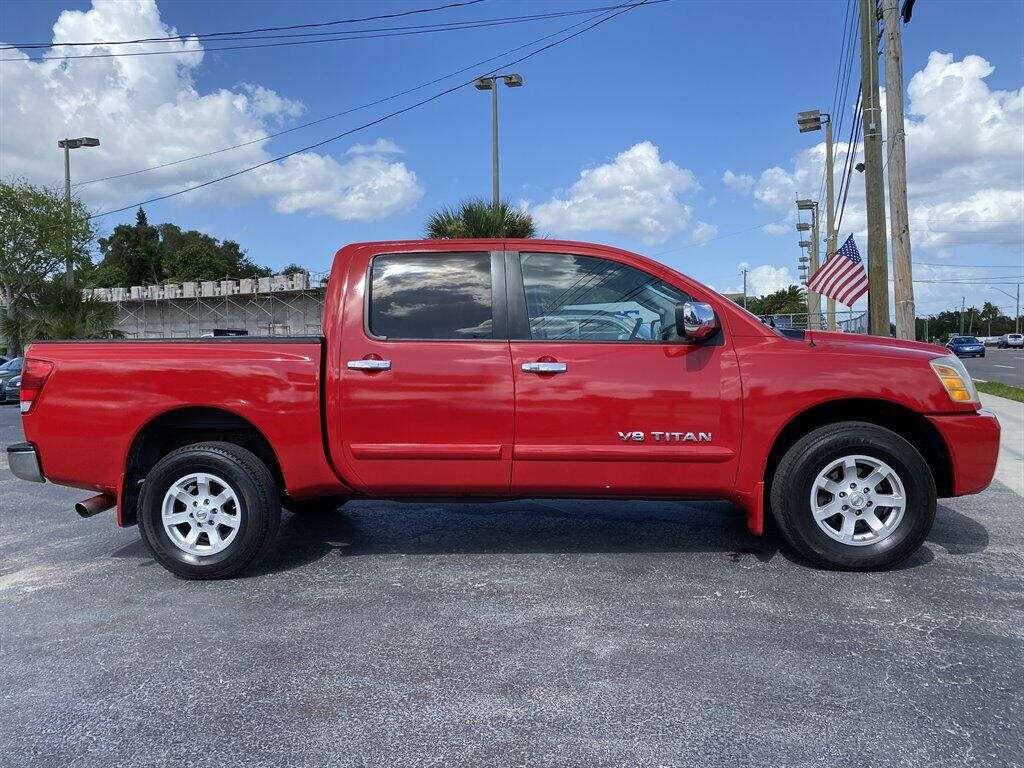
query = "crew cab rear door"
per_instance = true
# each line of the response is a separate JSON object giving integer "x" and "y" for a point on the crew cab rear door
{"x": 610, "y": 400}
{"x": 426, "y": 391}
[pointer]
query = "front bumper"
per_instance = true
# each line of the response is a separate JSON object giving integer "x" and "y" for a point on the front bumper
{"x": 23, "y": 460}
{"x": 973, "y": 442}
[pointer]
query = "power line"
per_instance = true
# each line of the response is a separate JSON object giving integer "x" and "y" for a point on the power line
{"x": 250, "y": 31}
{"x": 355, "y": 35}
{"x": 434, "y": 97}
{"x": 343, "y": 112}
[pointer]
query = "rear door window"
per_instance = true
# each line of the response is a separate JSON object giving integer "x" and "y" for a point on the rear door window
{"x": 420, "y": 296}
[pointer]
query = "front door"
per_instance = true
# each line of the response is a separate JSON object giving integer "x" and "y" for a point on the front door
{"x": 610, "y": 400}
{"x": 426, "y": 400}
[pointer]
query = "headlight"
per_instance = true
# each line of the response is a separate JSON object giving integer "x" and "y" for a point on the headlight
{"x": 15, "y": 382}
{"x": 955, "y": 379}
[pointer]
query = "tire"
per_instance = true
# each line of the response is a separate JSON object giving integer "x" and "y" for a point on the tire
{"x": 240, "y": 524}
{"x": 323, "y": 505}
{"x": 871, "y": 449}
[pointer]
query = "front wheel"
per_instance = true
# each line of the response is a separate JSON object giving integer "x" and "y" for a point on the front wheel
{"x": 209, "y": 510}
{"x": 854, "y": 496}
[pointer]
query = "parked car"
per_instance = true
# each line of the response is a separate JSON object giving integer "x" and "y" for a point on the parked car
{"x": 435, "y": 378}
{"x": 1008, "y": 340}
{"x": 8, "y": 371}
{"x": 11, "y": 392}
{"x": 966, "y": 346}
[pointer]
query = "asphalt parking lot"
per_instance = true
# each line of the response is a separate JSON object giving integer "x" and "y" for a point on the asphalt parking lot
{"x": 517, "y": 634}
{"x": 1002, "y": 365}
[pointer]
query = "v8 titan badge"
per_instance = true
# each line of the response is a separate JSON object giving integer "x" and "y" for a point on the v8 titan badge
{"x": 666, "y": 437}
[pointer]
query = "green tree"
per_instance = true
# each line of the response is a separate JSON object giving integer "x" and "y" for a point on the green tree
{"x": 33, "y": 227}
{"x": 294, "y": 269}
{"x": 785, "y": 301}
{"x": 131, "y": 255}
{"x": 478, "y": 218}
{"x": 56, "y": 310}
{"x": 990, "y": 312}
{"x": 141, "y": 254}
{"x": 195, "y": 262}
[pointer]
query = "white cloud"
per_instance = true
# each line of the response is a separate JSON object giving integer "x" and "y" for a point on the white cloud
{"x": 740, "y": 182}
{"x": 965, "y": 160}
{"x": 704, "y": 232}
{"x": 765, "y": 279}
{"x": 379, "y": 147}
{"x": 147, "y": 111}
{"x": 635, "y": 194}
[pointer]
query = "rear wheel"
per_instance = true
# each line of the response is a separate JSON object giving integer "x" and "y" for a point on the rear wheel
{"x": 854, "y": 496}
{"x": 209, "y": 510}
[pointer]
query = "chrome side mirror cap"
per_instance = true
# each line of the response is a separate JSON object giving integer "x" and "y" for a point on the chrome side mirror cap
{"x": 696, "y": 320}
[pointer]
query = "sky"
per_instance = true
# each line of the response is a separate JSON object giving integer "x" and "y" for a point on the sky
{"x": 668, "y": 130}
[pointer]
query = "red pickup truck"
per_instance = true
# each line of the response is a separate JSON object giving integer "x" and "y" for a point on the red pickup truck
{"x": 497, "y": 369}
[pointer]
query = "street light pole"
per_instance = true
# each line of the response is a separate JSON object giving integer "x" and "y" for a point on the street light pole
{"x": 812, "y": 120}
{"x": 69, "y": 268}
{"x": 830, "y": 212}
{"x": 490, "y": 83}
{"x": 67, "y": 145}
{"x": 494, "y": 144}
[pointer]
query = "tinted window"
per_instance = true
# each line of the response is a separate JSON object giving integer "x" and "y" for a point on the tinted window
{"x": 584, "y": 298}
{"x": 12, "y": 365}
{"x": 431, "y": 296}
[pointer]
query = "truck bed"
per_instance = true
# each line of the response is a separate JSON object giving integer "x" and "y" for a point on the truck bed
{"x": 101, "y": 395}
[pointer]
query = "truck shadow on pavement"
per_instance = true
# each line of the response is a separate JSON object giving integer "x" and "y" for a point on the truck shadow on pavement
{"x": 362, "y": 528}
{"x": 366, "y": 528}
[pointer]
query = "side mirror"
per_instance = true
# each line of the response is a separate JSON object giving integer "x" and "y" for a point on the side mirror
{"x": 696, "y": 320}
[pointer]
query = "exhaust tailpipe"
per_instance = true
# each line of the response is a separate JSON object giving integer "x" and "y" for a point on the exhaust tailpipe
{"x": 95, "y": 505}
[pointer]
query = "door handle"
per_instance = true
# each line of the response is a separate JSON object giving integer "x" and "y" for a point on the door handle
{"x": 544, "y": 367}
{"x": 369, "y": 365}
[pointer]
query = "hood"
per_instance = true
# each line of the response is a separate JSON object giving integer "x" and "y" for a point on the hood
{"x": 885, "y": 345}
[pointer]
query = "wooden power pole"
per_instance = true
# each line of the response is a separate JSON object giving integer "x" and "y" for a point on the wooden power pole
{"x": 902, "y": 276}
{"x": 874, "y": 185}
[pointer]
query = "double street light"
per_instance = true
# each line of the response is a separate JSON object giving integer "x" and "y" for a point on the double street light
{"x": 67, "y": 145}
{"x": 490, "y": 83}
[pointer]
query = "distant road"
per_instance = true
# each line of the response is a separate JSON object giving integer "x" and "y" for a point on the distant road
{"x": 1002, "y": 365}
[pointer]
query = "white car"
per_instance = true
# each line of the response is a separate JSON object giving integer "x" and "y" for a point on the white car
{"x": 1008, "y": 340}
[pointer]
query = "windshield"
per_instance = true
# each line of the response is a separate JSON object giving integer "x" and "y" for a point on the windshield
{"x": 12, "y": 365}
{"x": 967, "y": 340}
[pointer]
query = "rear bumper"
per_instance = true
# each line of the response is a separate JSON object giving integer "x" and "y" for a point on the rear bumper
{"x": 23, "y": 460}
{"x": 973, "y": 443}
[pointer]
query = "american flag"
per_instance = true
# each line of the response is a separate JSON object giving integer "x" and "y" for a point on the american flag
{"x": 842, "y": 277}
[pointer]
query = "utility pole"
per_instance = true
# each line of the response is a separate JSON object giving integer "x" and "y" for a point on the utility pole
{"x": 963, "y": 301}
{"x": 874, "y": 187}
{"x": 903, "y": 285}
{"x": 1016, "y": 315}
{"x": 926, "y": 336}
{"x": 745, "y": 288}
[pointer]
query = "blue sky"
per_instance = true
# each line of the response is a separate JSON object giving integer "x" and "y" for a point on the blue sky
{"x": 670, "y": 97}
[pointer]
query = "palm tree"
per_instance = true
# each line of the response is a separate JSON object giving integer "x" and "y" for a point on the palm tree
{"x": 478, "y": 218}
{"x": 990, "y": 312}
{"x": 56, "y": 310}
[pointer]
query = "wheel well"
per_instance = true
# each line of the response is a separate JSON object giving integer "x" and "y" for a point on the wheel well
{"x": 187, "y": 426}
{"x": 909, "y": 424}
